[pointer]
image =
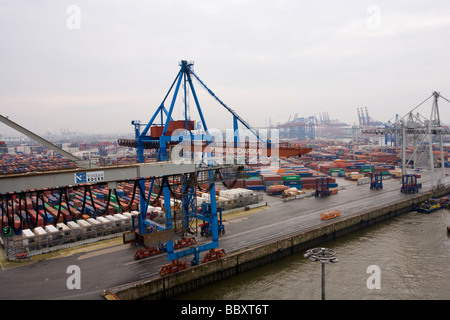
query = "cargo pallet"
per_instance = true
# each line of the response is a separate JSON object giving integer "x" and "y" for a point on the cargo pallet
{"x": 20, "y": 257}
{"x": 146, "y": 252}
{"x": 213, "y": 254}
{"x": 330, "y": 215}
{"x": 298, "y": 196}
{"x": 184, "y": 242}
{"x": 172, "y": 267}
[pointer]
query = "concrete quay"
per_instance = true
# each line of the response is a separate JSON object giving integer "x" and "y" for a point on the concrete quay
{"x": 192, "y": 278}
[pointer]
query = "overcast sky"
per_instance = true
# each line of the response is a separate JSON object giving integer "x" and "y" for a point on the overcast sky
{"x": 94, "y": 66}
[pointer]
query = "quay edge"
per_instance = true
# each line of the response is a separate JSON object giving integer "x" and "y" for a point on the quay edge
{"x": 192, "y": 278}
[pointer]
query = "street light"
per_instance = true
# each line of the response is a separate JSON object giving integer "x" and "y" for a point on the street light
{"x": 323, "y": 255}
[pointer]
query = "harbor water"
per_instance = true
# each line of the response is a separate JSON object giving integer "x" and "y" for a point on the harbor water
{"x": 404, "y": 258}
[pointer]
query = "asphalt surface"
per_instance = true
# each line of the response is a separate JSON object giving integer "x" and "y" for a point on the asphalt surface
{"x": 111, "y": 263}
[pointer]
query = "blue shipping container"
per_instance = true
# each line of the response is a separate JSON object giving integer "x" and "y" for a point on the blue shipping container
{"x": 257, "y": 188}
{"x": 48, "y": 219}
{"x": 292, "y": 182}
{"x": 305, "y": 174}
{"x": 332, "y": 185}
{"x": 120, "y": 193}
{"x": 298, "y": 186}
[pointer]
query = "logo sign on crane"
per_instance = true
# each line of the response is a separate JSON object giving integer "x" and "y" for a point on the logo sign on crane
{"x": 86, "y": 177}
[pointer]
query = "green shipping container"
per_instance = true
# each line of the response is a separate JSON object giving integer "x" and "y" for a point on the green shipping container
{"x": 367, "y": 170}
{"x": 285, "y": 178}
{"x": 7, "y": 232}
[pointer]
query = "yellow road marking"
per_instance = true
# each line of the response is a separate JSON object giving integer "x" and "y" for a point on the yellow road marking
{"x": 102, "y": 251}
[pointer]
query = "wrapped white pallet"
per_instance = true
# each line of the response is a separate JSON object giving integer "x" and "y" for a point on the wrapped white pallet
{"x": 64, "y": 230}
{"x": 93, "y": 222}
{"x": 107, "y": 225}
{"x": 121, "y": 216}
{"x": 233, "y": 194}
{"x": 39, "y": 232}
{"x": 83, "y": 223}
{"x": 124, "y": 221}
{"x": 127, "y": 214}
{"x": 74, "y": 226}
{"x": 364, "y": 180}
{"x": 112, "y": 218}
{"x": 86, "y": 227}
{"x": 96, "y": 226}
{"x": 50, "y": 229}
{"x": 53, "y": 232}
{"x": 28, "y": 237}
{"x": 42, "y": 236}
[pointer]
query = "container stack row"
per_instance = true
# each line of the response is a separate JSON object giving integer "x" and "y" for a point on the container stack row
{"x": 19, "y": 162}
{"x": 290, "y": 175}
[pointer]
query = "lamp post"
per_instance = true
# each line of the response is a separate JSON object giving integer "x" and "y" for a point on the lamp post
{"x": 323, "y": 255}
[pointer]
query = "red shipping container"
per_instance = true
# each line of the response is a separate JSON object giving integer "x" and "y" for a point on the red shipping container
{"x": 253, "y": 183}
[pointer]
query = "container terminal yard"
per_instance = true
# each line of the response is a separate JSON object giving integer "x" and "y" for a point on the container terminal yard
{"x": 168, "y": 226}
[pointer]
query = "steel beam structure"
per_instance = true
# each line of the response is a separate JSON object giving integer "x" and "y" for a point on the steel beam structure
{"x": 422, "y": 133}
{"x": 62, "y": 178}
{"x": 78, "y": 161}
{"x": 164, "y": 138}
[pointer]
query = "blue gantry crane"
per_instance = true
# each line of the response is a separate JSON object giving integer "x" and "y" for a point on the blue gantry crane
{"x": 168, "y": 132}
{"x": 164, "y": 134}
